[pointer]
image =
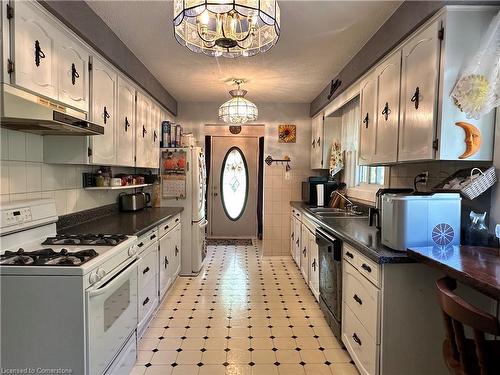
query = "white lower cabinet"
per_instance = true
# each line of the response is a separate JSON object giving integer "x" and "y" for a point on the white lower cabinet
{"x": 169, "y": 259}
{"x": 313, "y": 265}
{"x": 304, "y": 253}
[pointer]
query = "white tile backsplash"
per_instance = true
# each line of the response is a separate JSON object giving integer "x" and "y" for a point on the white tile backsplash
{"x": 24, "y": 175}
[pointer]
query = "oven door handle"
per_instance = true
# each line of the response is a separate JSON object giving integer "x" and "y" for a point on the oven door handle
{"x": 122, "y": 275}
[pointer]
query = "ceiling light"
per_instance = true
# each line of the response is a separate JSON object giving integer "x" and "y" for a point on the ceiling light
{"x": 238, "y": 110}
{"x": 228, "y": 28}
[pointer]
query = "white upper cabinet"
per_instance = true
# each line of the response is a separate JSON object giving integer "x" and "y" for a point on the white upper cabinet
{"x": 419, "y": 93}
{"x": 125, "y": 124}
{"x": 317, "y": 142}
{"x": 34, "y": 50}
{"x": 142, "y": 127}
{"x": 387, "y": 119}
{"x": 103, "y": 105}
{"x": 72, "y": 70}
{"x": 154, "y": 137}
{"x": 368, "y": 119}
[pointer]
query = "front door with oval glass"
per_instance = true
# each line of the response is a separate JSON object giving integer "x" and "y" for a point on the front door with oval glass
{"x": 233, "y": 187}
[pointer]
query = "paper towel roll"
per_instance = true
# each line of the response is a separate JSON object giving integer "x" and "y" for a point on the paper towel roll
{"x": 320, "y": 195}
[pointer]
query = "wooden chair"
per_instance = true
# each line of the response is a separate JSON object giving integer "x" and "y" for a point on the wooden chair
{"x": 467, "y": 356}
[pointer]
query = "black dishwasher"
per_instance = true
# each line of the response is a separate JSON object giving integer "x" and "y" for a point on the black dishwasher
{"x": 330, "y": 278}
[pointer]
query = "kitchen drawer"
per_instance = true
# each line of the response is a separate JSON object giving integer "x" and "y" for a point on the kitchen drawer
{"x": 362, "y": 297}
{"x": 365, "y": 266}
{"x": 309, "y": 224}
{"x": 360, "y": 345}
{"x": 168, "y": 225}
{"x": 296, "y": 213}
{"x": 148, "y": 300}
{"x": 147, "y": 239}
{"x": 148, "y": 265}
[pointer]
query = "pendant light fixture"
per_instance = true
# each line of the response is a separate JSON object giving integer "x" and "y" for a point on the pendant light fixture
{"x": 238, "y": 110}
{"x": 228, "y": 28}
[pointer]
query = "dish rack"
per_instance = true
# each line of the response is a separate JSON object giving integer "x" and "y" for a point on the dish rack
{"x": 485, "y": 179}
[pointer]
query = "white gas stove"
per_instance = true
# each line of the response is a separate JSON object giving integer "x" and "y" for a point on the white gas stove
{"x": 69, "y": 301}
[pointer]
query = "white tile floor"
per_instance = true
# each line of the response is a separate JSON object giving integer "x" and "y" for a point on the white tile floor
{"x": 242, "y": 315}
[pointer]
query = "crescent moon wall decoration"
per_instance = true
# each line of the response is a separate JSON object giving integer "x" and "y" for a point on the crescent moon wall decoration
{"x": 472, "y": 139}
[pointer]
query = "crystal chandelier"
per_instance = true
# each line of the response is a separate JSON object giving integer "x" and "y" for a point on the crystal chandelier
{"x": 238, "y": 110}
{"x": 228, "y": 28}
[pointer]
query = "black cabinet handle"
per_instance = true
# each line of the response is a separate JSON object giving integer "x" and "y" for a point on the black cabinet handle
{"x": 144, "y": 131}
{"x": 304, "y": 251}
{"x": 145, "y": 271}
{"x": 141, "y": 244}
{"x": 292, "y": 236}
{"x": 155, "y": 136}
{"x": 297, "y": 242}
{"x": 387, "y": 111}
{"x": 105, "y": 114}
{"x": 176, "y": 251}
{"x": 366, "y": 267}
{"x": 166, "y": 227}
{"x": 127, "y": 124}
{"x": 416, "y": 97}
{"x": 357, "y": 299}
{"x": 38, "y": 53}
{"x": 152, "y": 237}
{"x": 318, "y": 141}
{"x": 165, "y": 263}
{"x": 365, "y": 120}
{"x": 349, "y": 254}
{"x": 177, "y": 220}
{"x": 356, "y": 338}
{"x": 314, "y": 265}
{"x": 74, "y": 74}
{"x": 145, "y": 301}
{"x": 313, "y": 144}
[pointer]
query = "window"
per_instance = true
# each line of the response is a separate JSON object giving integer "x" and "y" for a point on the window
{"x": 234, "y": 183}
{"x": 371, "y": 175}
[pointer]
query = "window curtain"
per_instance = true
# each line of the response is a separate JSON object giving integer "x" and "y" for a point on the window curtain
{"x": 350, "y": 140}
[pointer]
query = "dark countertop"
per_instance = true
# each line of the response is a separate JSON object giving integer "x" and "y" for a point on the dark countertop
{"x": 131, "y": 223}
{"x": 476, "y": 266}
{"x": 356, "y": 232}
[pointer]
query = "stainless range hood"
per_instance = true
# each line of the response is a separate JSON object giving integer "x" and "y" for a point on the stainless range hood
{"x": 27, "y": 112}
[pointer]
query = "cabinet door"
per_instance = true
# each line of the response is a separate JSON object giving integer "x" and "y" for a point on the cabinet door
{"x": 292, "y": 238}
{"x": 177, "y": 251}
{"x": 34, "y": 50}
{"x": 104, "y": 80}
{"x": 368, "y": 120}
{"x": 304, "y": 254}
{"x": 142, "y": 126}
{"x": 419, "y": 90}
{"x": 387, "y": 119}
{"x": 166, "y": 262}
{"x": 316, "y": 141}
{"x": 125, "y": 124}
{"x": 298, "y": 233}
{"x": 313, "y": 265}
{"x": 72, "y": 70}
{"x": 154, "y": 140}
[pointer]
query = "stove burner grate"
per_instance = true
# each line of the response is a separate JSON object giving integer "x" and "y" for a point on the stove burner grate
{"x": 86, "y": 239}
{"x": 46, "y": 257}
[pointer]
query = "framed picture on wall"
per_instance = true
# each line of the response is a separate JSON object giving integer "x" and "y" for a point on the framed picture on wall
{"x": 287, "y": 133}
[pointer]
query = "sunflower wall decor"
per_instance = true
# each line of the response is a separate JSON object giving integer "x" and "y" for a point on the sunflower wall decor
{"x": 287, "y": 133}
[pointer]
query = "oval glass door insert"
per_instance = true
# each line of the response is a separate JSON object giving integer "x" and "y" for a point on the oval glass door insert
{"x": 234, "y": 183}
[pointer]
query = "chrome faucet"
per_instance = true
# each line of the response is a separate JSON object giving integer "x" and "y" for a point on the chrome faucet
{"x": 350, "y": 207}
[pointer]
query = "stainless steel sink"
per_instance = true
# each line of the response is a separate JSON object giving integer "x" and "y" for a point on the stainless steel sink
{"x": 330, "y": 213}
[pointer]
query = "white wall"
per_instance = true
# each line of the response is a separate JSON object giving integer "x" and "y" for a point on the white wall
{"x": 278, "y": 191}
{"x": 24, "y": 175}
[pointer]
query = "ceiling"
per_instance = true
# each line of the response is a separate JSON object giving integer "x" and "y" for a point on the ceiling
{"x": 317, "y": 39}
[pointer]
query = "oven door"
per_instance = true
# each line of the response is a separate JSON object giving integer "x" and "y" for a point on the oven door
{"x": 111, "y": 316}
{"x": 330, "y": 272}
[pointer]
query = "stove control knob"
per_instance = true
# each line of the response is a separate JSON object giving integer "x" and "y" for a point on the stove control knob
{"x": 101, "y": 273}
{"x": 132, "y": 251}
{"x": 93, "y": 278}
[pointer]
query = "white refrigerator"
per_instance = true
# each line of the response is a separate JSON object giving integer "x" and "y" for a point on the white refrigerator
{"x": 183, "y": 184}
